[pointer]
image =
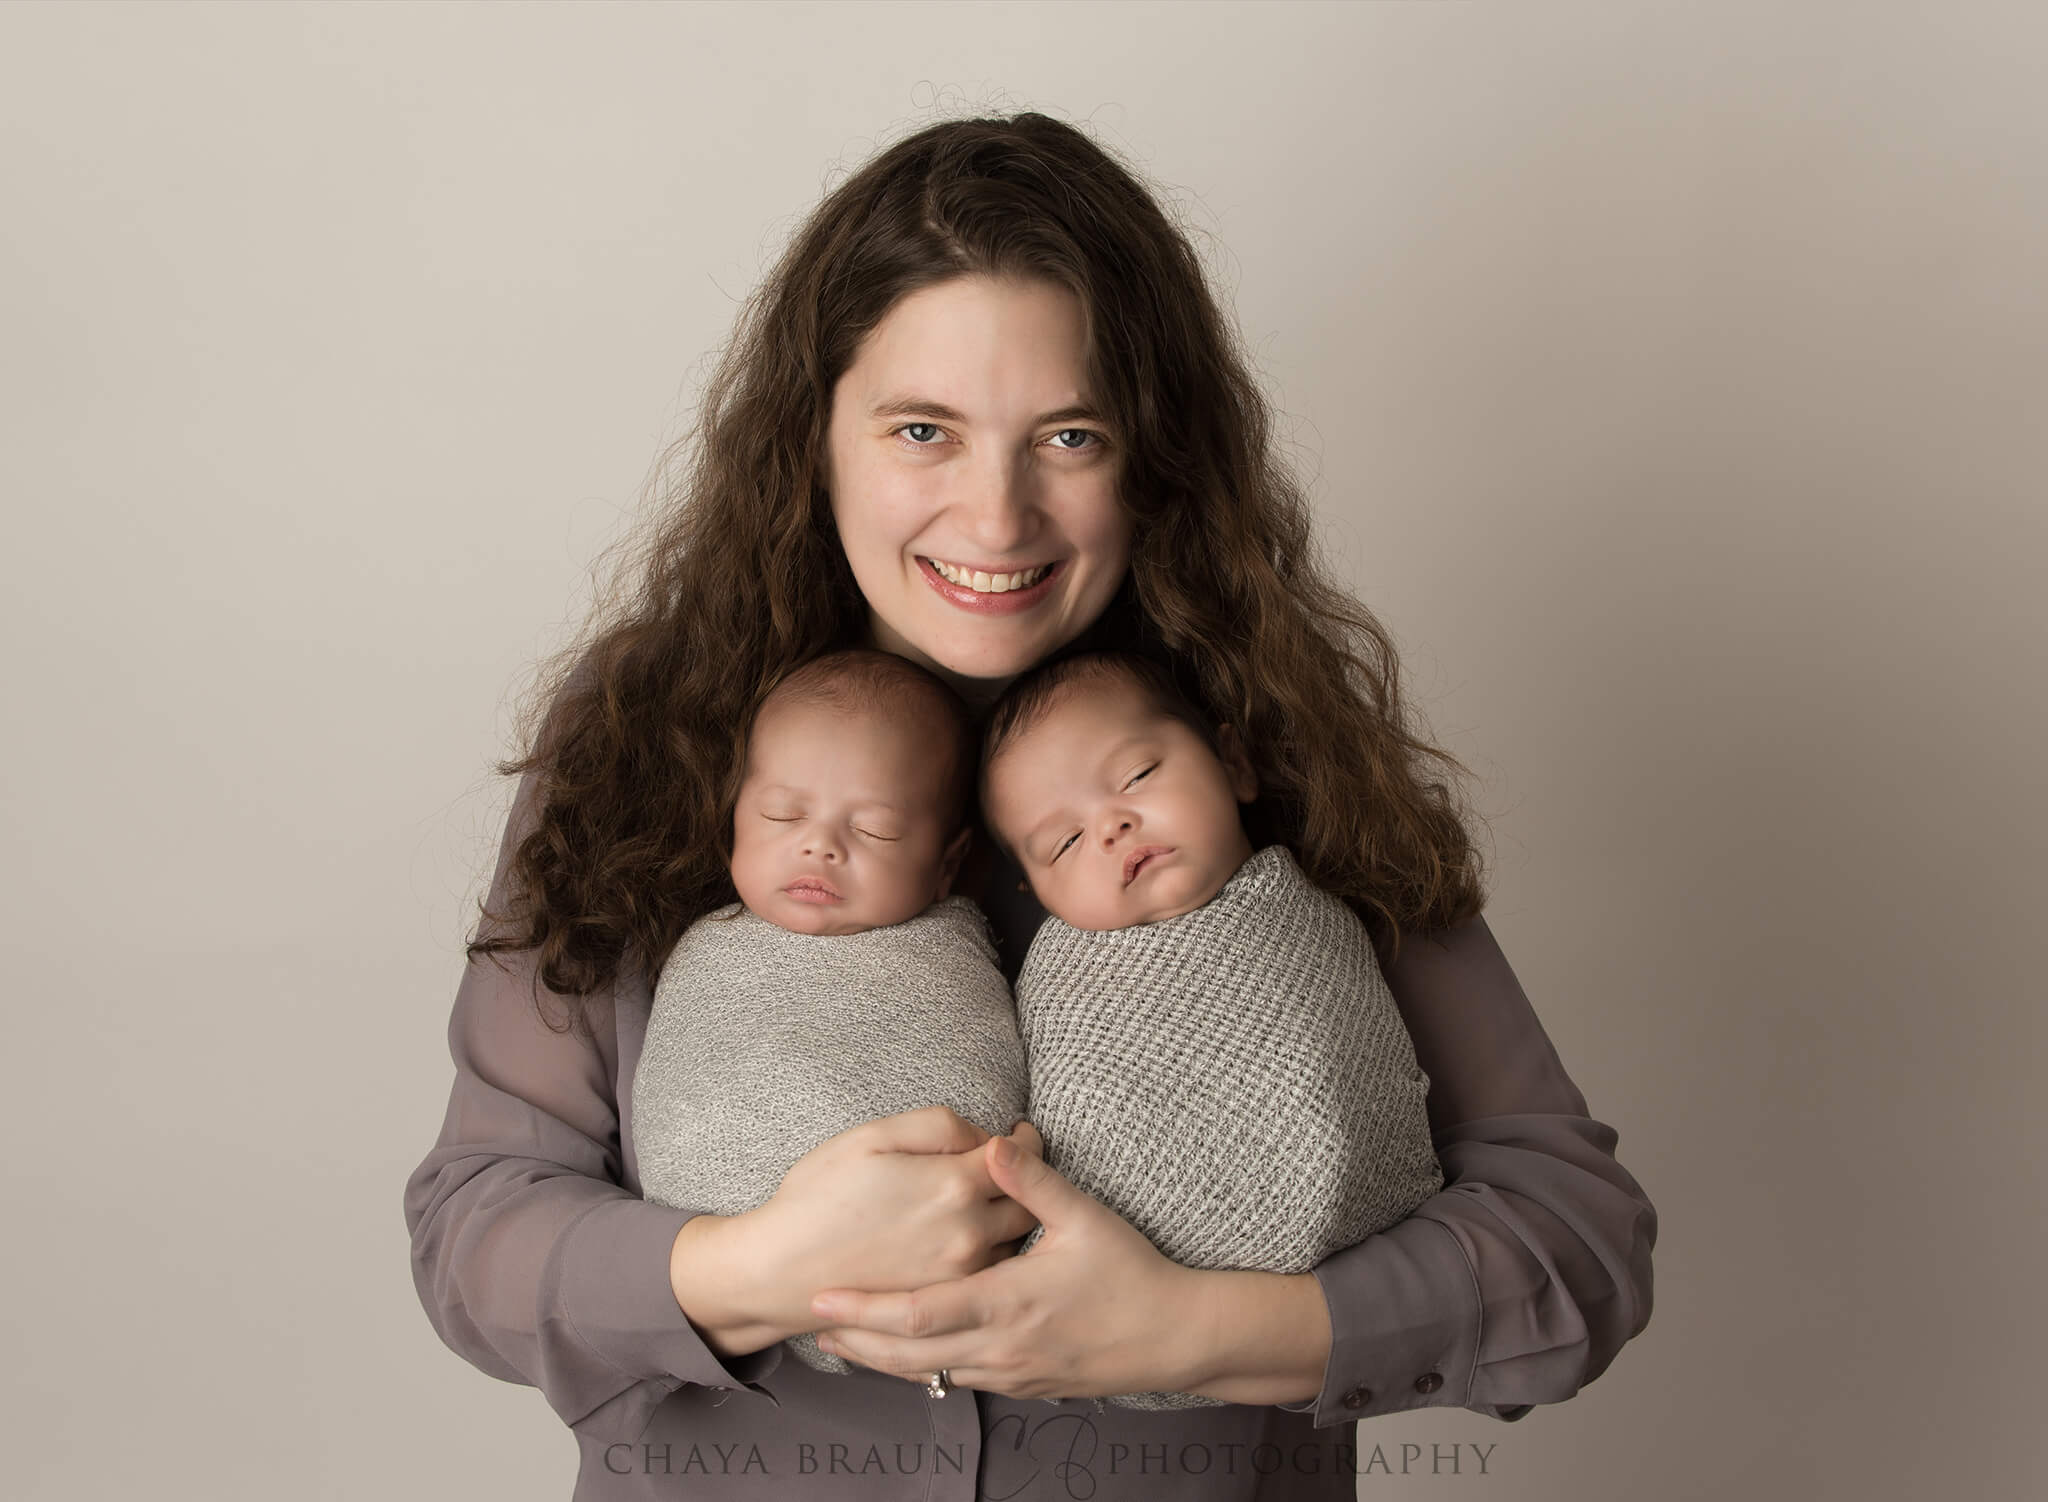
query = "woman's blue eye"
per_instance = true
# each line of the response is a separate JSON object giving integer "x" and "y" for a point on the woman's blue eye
{"x": 1097, "y": 440}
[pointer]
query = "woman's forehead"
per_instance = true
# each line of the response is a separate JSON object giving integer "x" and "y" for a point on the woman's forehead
{"x": 975, "y": 350}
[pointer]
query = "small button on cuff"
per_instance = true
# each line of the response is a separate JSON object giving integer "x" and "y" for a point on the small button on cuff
{"x": 1358, "y": 1397}
{"x": 1428, "y": 1382}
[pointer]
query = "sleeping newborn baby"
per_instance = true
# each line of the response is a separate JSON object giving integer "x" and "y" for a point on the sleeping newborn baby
{"x": 846, "y": 984}
{"x": 1213, "y": 1052}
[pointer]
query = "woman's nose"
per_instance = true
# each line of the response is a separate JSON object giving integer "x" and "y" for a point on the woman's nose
{"x": 1001, "y": 513}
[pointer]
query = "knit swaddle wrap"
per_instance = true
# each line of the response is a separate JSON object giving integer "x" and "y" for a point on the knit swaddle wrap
{"x": 762, "y": 1043}
{"x": 1236, "y": 1082}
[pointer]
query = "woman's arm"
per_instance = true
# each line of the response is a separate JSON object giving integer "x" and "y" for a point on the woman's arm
{"x": 532, "y": 1260}
{"x": 1515, "y": 1285}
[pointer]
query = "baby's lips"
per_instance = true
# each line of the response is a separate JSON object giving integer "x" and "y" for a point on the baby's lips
{"x": 812, "y": 884}
{"x": 1142, "y": 854}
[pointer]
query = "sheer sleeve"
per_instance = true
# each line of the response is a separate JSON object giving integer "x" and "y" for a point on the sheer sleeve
{"x": 1521, "y": 1279}
{"x": 532, "y": 1259}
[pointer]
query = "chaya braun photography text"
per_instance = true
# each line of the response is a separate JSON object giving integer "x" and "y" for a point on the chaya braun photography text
{"x": 1082, "y": 1462}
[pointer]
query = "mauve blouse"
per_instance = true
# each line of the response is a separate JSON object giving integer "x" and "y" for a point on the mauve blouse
{"x": 538, "y": 1262}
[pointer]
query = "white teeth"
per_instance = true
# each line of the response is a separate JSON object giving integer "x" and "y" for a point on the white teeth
{"x": 989, "y": 584}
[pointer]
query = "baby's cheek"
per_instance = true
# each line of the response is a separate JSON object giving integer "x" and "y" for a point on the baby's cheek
{"x": 1093, "y": 910}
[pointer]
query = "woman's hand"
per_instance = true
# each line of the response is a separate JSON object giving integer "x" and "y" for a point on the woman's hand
{"x": 894, "y": 1203}
{"x": 1092, "y": 1309}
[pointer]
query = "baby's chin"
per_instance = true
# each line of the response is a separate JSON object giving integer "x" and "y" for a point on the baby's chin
{"x": 1157, "y": 909}
{"x": 827, "y": 919}
{"x": 824, "y": 928}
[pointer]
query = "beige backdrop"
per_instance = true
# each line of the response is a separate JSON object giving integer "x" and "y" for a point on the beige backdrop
{"x": 1675, "y": 379}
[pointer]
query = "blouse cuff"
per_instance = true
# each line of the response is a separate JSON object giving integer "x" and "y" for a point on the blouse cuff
{"x": 1404, "y": 1325}
{"x": 610, "y": 1282}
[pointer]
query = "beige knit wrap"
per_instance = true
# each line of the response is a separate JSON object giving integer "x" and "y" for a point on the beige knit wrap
{"x": 762, "y": 1043}
{"x": 1235, "y": 1082}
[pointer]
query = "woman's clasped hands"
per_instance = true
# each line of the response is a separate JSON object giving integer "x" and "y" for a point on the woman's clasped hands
{"x": 931, "y": 1207}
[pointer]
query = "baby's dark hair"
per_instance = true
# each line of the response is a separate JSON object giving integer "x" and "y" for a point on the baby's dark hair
{"x": 1030, "y": 695}
{"x": 866, "y": 680}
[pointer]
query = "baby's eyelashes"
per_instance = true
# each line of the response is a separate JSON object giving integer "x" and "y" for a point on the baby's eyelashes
{"x": 870, "y": 833}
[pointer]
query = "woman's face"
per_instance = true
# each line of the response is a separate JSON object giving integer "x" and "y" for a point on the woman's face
{"x": 963, "y": 450}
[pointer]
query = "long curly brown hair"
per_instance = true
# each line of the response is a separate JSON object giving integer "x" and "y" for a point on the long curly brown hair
{"x": 631, "y": 731}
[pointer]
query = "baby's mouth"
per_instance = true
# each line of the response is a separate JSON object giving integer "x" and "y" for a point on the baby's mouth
{"x": 811, "y": 889}
{"x": 1141, "y": 858}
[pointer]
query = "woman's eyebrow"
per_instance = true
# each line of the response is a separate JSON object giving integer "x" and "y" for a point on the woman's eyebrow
{"x": 922, "y": 406}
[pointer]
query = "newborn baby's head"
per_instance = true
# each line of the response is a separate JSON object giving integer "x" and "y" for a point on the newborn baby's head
{"x": 853, "y": 803}
{"x": 1117, "y": 796}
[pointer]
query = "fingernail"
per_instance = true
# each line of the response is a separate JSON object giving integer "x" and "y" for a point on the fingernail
{"x": 828, "y": 1308}
{"x": 1005, "y": 1151}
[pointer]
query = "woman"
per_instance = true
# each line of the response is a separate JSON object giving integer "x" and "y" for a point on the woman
{"x": 987, "y": 353}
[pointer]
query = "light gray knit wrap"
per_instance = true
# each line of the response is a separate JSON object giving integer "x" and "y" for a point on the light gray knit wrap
{"x": 762, "y": 1043}
{"x": 1235, "y": 1082}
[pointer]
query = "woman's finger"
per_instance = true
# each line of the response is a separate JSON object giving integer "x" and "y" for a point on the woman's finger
{"x": 929, "y": 1129}
{"x": 1008, "y": 1220}
{"x": 842, "y": 1343}
{"x": 906, "y": 1333}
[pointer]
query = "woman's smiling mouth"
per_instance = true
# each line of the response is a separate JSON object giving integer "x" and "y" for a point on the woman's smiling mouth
{"x": 987, "y": 593}
{"x": 987, "y": 582}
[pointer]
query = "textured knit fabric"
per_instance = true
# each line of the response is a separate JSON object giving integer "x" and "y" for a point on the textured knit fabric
{"x": 537, "y": 1261}
{"x": 762, "y": 1044}
{"x": 1236, "y": 1082}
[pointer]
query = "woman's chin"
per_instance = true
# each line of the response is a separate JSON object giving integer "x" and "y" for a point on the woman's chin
{"x": 962, "y": 652}
{"x": 995, "y": 655}
{"x": 979, "y": 674}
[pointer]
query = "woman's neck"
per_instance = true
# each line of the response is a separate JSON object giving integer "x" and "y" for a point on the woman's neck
{"x": 977, "y": 693}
